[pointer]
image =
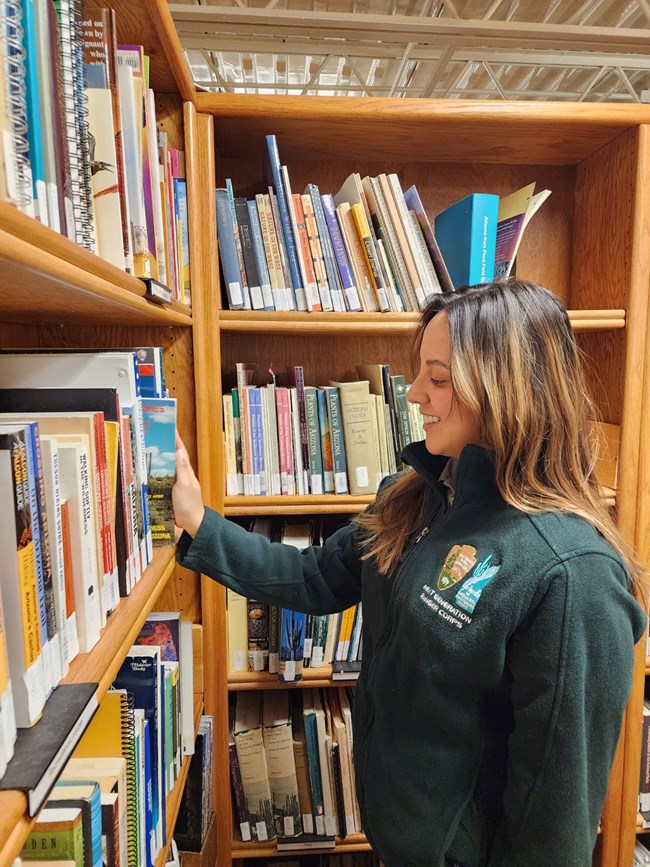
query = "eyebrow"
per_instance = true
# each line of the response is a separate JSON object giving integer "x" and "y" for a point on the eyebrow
{"x": 431, "y": 361}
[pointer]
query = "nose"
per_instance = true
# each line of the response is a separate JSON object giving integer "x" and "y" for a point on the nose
{"x": 414, "y": 395}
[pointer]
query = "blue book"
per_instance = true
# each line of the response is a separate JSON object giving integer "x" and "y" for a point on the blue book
{"x": 467, "y": 236}
{"x": 228, "y": 252}
{"x": 313, "y": 762}
{"x": 140, "y": 675}
{"x": 333, "y": 276}
{"x": 34, "y": 135}
{"x": 292, "y": 645}
{"x": 260, "y": 254}
{"x": 257, "y": 441}
{"x": 180, "y": 199}
{"x": 151, "y": 848}
{"x": 273, "y": 175}
{"x": 350, "y": 290}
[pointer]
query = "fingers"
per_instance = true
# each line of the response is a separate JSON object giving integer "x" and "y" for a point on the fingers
{"x": 179, "y": 442}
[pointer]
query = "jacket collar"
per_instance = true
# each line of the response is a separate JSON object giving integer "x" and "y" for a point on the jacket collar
{"x": 474, "y": 471}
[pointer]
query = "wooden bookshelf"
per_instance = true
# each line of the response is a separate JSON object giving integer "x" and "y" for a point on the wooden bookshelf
{"x": 174, "y": 797}
{"x": 100, "y": 665}
{"x": 596, "y": 259}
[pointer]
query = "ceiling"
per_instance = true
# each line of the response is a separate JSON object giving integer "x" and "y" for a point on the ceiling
{"x": 568, "y": 50}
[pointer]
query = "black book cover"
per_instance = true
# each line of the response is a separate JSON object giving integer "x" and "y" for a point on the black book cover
{"x": 42, "y": 750}
{"x": 187, "y": 832}
{"x": 243, "y": 224}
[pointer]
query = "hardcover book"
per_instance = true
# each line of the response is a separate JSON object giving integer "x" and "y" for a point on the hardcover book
{"x": 42, "y": 750}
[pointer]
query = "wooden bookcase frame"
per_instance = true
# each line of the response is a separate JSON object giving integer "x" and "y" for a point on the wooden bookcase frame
{"x": 590, "y": 243}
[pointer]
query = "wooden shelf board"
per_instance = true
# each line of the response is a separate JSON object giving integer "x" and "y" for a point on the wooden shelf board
{"x": 537, "y": 133}
{"x": 311, "y": 677}
{"x": 296, "y": 505}
{"x": 350, "y": 324}
{"x": 351, "y": 843}
{"x": 123, "y": 625}
{"x": 174, "y": 797}
{"x": 100, "y": 665}
{"x": 47, "y": 278}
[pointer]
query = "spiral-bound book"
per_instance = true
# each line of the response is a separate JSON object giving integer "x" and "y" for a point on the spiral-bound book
{"x": 112, "y": 734}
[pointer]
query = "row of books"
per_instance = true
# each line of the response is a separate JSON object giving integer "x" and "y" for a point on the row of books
{"x": 291, "y": 767}
{"x": 265, "y": 637}
{"x": 369, "y": 247}
{"x": 127, "y": 760}
{"x": 82, "y": 152}
{"x": 299, "y": 439}
{"x": 74, "y": 466}
{"x": 195, "y": 811}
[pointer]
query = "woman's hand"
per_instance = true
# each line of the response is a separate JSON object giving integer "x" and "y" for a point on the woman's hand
{"x": 186, "y": 493}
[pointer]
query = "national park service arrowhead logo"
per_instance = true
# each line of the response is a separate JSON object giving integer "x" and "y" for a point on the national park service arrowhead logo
{"x": 458, "y": 562}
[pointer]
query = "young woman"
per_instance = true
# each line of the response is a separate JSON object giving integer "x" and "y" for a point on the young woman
{"x": 499, "y": 623}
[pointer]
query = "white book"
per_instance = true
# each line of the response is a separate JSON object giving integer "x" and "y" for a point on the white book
{"x": 104, "y": 182}
{"x": 232, "y": 476}
{"x": 67, "y": 624}
{"x": 407, "y": 225}
{"x": 75, "y": 486}
{"x": 154, "y": 163}
{"x": 186, "y": 659}
{"x": 329, "y": 811}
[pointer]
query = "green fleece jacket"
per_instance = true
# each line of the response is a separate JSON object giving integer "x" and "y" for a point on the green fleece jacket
{"x": 497, "y": 662}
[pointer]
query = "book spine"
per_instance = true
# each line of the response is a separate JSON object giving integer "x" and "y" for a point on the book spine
{"x": 338, "y": 441}
{"x": 241, "y": 813}
{"x": 272, "y": 253}
{"x": 258, "y": 635}
{"x": 281, "y": 765}
{"x": 424, "y": 252}
{"x": 370, "y": 256}
{"x": 296, "y": 378}
{"x": 257, "y": 440}
{"x": 311, "y": 740}
{"x": 325, "y": 441}
{"x": 282, "y": 249}
{"x": 259, "y": 251}
{"x": 398, "y": 384}
{"x": 274, "y": 177}
{"x": 414, "y": 203}
{"x": 350, "y": 288}
{"x": 313, "y": 440}
{"x": 238, "y": 245}
{"x": 31, "y": 432}
{"x": 283, "y": 413}
{"x": 307, "y": 264}
{"x": 292, "y": 645}
{"x": 248, "y": 255}
{"x": 333, "y": 276}
{"x": 316, "y": 252}
{"x": 232, "y": 479}
{"x": 274, "y": 638}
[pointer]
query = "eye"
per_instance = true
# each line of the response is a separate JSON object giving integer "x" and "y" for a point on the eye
{"x": 438, "y": 382}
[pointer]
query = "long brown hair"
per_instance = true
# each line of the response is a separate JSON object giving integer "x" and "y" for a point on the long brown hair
{"x": 516, "y": 367}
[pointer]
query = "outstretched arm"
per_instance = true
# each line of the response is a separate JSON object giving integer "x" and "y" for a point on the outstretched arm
{"x": 317, "y": 580}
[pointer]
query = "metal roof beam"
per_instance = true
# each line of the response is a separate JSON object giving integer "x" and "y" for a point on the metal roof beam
{"x": 405, "y": 29}
{"x": 233, "y": 43}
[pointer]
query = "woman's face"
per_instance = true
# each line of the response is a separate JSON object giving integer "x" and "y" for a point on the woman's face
{"x": 448, "y": 426}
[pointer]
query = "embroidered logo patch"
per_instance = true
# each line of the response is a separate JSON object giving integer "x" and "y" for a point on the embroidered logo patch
{"x": 470, "y": 593}
{"x": 457, "y": 564}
